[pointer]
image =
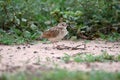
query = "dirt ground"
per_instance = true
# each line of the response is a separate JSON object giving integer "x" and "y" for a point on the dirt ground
{"x": 42, "y": 56}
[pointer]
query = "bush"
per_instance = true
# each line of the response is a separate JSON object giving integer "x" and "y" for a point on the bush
{"x": 87, "y": 19}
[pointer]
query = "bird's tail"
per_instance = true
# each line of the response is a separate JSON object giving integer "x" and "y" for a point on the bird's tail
{"x": 41, "y": 37}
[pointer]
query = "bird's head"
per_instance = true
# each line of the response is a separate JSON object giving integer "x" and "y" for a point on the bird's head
{"x": 62, "y": 25}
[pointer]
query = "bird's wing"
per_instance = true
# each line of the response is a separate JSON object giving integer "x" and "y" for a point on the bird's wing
{"x": 51, "y": 33}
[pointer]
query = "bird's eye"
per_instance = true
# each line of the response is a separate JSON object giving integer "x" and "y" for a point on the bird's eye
{"x": 62, "y": 24}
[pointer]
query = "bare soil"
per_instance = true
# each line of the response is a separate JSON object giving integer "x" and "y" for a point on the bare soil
{"x": 44, "y": 56}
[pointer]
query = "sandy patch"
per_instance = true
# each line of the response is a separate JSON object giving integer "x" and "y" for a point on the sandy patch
{"x": 43, "y": 55}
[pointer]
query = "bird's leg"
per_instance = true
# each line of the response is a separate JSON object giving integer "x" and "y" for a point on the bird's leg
{"x": 84, "y": 46}
{"x": 54, "y": 44}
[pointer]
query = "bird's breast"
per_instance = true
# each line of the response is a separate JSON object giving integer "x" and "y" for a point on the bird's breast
{"x": 60, "y": 36}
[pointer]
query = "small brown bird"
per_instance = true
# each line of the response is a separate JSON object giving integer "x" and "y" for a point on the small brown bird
{"x": 56, "y": 33}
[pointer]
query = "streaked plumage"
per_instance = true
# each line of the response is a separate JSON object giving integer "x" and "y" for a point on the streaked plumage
{"x": 56, "y": 33}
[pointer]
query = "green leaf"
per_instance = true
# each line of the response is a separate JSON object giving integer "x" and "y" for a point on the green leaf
{"x": 27, "y": 34}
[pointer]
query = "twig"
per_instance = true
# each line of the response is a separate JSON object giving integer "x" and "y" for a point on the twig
{"x": 61, "y": 47}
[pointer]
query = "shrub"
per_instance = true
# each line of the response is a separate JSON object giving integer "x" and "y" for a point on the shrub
{"x": 87, "y": 19}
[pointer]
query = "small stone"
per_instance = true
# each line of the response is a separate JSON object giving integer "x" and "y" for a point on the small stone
{"x": 24, "y": 47}
{"x": 51, "y": 53}
{"x": 9, "y": 49}
{"x": 18, "y": 48}
{"x": 35, "y": 52}
{"x": 88, "y": 65}
{"x": 47, "y": 48}
{"x": 11, "y": 56}
{"x": 58, "y": 57}
{"x": 1, "y": 49}
{"x": 28, "y": 46}
{"x": 116, "y": 47}
{"x": 24, "y": 54}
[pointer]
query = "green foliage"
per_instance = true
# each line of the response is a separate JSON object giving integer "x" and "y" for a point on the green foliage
{"x": 89, "y": 18}
{"x": 28, "y": 18}
{"x": 66, "y": 58}
{"x": 64, "y": 75}
{"x": 112, "y": 37}
{"x": 104, "y": 57}
{"x": 18, "y": 21}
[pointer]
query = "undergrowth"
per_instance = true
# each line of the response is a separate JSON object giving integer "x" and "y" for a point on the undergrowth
{"x": 104, "y": 57}
{"x": 62, "y": 75}
{"x": 24, "y": 20}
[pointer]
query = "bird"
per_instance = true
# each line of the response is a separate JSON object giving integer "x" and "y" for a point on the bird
{"x": 56, "y": 33}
